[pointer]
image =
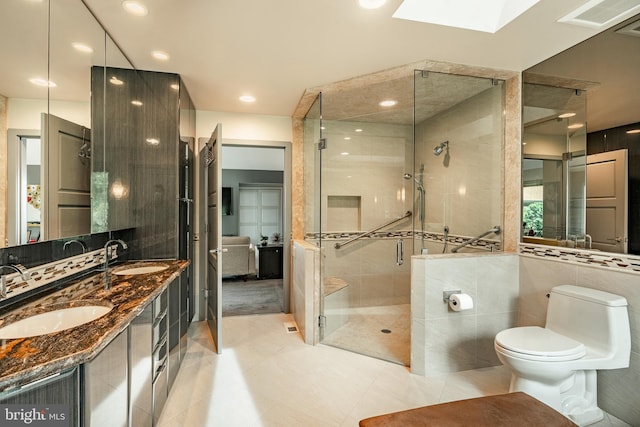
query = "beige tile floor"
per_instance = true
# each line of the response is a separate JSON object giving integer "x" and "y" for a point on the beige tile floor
{"x": 362, "y": 332}
{"x": 266, "y": 377}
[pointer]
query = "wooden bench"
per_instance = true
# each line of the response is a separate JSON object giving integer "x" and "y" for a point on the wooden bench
{"x": 503, "y": 410}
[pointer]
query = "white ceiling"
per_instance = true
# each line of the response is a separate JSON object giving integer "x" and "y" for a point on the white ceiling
{"x": 274, "y": 50}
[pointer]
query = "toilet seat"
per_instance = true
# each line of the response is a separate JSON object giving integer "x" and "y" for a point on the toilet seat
{"x": 541, "y": 344}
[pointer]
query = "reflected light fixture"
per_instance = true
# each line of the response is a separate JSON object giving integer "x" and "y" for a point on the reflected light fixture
{"x": 153, "y": 141}
{"x": 388, "y": 103}
{"x": 136, "y": 103}
{"x": 371, "y": 4}
{"x": 119, "y": 190}
{"x": 633, "y": 131}
{"x": 81, "y": 47}
{"x": 160, "y": 55}
{"x": 247, "y": 99}
{"x": 575, "y": 126}
{"x": 358, "y": 130}
{"x": 42, "y": 82}
{"x": 116, "y": 81}
{"x": 175, "y": 86}
{"x": 566, "y": 115}
{"x": 135, "y": 8}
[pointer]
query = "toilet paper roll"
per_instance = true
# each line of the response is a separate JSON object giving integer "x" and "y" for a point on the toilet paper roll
{"x": 459, "y": 302}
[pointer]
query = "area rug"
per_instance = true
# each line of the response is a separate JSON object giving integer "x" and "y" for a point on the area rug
{"x": 251, "y": 297}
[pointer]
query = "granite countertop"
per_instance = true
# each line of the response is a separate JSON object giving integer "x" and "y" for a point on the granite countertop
{"x": 27, "y": 359}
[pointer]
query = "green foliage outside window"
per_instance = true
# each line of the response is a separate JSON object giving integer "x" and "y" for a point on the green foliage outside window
{"x": 532, "y": 218}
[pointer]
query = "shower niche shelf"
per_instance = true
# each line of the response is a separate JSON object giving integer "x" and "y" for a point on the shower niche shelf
{"x": 344, "y": 213}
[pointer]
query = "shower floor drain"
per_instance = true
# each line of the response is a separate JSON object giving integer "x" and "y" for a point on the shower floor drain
{"x": 385, "y": 331}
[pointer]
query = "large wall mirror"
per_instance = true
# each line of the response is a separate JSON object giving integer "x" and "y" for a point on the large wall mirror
{"x": 45, "y": 117}
{"x": 581, "y": 145}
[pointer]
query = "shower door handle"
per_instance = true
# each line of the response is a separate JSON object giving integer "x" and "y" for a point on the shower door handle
{"x": 400, "y": 252}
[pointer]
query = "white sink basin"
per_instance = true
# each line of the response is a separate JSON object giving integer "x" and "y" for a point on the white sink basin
{"x": 53, "y": 321}
{"x": 126, "y": 270}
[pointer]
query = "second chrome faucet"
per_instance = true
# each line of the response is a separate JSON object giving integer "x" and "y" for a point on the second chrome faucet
{"x": 108, "y": 255}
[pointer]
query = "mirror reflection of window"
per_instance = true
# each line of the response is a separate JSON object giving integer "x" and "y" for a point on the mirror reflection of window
{"x": 554, "y": 146}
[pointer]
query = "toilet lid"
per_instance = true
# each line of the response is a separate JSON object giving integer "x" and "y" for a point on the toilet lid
{"x": 540, "y": 343}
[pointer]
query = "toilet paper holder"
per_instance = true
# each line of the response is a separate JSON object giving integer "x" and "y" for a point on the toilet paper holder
{"x": 446, "y": 295}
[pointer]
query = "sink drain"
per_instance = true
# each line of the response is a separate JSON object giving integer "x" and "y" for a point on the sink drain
{"x": 385, "y": 331}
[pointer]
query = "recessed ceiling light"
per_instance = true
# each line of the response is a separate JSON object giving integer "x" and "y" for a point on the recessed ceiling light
{"x": 633, "y": 131}
{"x": 81, "y": 47}
{"x": 136, "y": 103}
{"x": 371, "y": 4}
{"x": 344, "y": 153}
{"x": 135, "y": 8}
{"x": 575, "y": 126}
{"x": 116, "y": 81}
{"x": 566, "y": 115}
{"x": 42, "y": 82}
{"x": 347, "y": 138}
{"x": 153, "y": 141}
{"x": 388, "y": 103}
{"x": 358, "y": 130}
{"x": 160, "y": 55}
{"x": 247, "y": 98}
{"x": 487, "y": 16}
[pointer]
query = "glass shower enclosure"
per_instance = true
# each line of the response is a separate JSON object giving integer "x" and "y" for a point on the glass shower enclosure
{"x": 382, "y": 161}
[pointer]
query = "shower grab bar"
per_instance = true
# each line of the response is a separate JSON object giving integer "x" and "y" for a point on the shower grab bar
{"x": 366, "y": 233}
{"x": 495, "y": 230}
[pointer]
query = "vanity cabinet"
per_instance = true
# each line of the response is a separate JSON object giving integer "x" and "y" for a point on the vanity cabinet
{"x": 58, "y": 389}
{"x": 178, "y": 324}
{"x": 104, "y": 386}
{"x": 127, "y": 383}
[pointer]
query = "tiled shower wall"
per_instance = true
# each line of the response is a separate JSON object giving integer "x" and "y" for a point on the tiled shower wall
{"x": 464, "y": 191}
{"x": 370, "y": 270}
{"x": 443, "y": 340}
{"x": 617, "y": 388}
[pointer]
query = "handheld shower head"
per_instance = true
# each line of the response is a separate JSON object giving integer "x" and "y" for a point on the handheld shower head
{"x": 438, "y": 149}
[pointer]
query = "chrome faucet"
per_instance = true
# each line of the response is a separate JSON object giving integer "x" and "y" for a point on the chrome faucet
{"x": 80, "y": 242}
{"x": 107, "y": 256}
{"x": 24, "y": 273}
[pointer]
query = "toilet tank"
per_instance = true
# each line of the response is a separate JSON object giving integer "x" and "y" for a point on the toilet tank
{"x": 597, "y": 319}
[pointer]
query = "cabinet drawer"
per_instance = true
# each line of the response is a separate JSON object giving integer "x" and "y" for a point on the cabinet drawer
{"x": 159, "y": 329}
{"x": 160, "y": 304}
{"x": 159, "y": 358}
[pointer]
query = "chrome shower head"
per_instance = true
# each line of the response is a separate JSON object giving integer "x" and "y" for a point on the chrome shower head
{"x": 440, "y": 148}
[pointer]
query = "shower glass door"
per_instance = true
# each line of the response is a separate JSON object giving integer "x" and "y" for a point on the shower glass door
{"x": 365, "y": 218}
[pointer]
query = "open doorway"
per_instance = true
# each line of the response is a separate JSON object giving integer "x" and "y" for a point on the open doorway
{"x": 255, "y": 182}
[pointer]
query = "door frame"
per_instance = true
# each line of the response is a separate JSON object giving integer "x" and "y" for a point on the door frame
{"x": 286, "y": 207}
{"x": 15, "y": 182}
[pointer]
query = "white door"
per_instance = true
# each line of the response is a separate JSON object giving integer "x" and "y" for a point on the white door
{"x": 211, "y": 155}
{"x": 66, "y": 160}
{"x": 607, "y": 200}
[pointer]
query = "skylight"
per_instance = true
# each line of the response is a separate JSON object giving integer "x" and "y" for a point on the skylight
{"x": 487, "y": 15}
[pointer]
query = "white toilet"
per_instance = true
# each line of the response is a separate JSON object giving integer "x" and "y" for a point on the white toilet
{"x": 586, "y": 330}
